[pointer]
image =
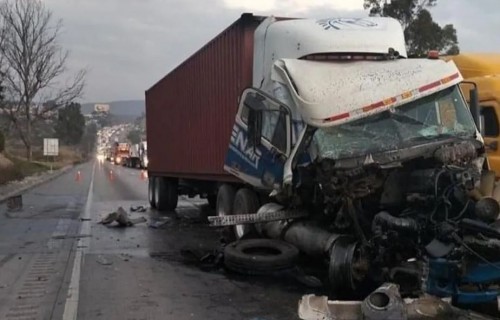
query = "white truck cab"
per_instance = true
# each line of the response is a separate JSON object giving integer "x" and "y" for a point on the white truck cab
{"x": 349, "y": 81}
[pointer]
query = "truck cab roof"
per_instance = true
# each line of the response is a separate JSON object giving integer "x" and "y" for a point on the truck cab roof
{"x": 332, "y": 93}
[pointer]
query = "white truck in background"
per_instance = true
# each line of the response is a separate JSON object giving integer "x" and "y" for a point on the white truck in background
{"x": 143, "y": 155}
{"x": 134, "y": 160}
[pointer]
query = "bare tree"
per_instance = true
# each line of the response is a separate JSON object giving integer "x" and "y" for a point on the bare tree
{"x": 33, "y": 65}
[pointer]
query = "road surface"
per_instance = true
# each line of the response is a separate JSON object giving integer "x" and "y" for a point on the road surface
{"x": 58, "y": 262}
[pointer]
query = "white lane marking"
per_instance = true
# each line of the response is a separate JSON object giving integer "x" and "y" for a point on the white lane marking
{"x": 71, "y": 306}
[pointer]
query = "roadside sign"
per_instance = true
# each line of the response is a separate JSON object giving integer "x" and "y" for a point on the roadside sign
{"x": 50, "y": 147}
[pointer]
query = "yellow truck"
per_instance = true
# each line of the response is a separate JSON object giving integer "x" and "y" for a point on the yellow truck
{"x": 483, "y": 69}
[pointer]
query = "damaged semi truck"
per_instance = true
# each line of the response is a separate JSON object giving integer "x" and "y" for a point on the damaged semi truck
{"x": 332, "y": 140}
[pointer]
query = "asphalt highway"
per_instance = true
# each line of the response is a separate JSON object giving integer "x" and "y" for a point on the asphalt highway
{"x": 58, "y": 262}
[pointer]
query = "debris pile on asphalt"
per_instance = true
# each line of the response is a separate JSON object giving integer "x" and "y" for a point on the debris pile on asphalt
{"x": 122, "y": 218}
{"x": 383, "y": 303}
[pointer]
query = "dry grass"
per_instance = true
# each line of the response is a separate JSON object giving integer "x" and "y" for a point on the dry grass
{"x": 20, "y": 168}
{"x": 67, "y": 155}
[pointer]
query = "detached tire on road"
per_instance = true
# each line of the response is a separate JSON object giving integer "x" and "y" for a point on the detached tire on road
{"x": 260, "y": 256}
{"x": 152, "y": 191}
{"x": 166, "y": 194}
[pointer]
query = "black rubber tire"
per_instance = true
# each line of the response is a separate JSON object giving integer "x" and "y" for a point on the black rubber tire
{"x": 245, "y": 201}
{"x": 224, "y": 206}
{"x": 166, "y": 196}
{"x": 151, "y": 192}
{"x": 260, "y": 256}
{"x": 212, "y": 201}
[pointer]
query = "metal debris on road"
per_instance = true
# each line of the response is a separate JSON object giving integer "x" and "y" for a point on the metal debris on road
{"x": 15, "y": 203}
{"x": 383, "y": 303}
{"x": 138, "y": 209}
{"x": 105, "y": 262}
{"x": 121, "y": 216}
{"x": 157, "y": 224}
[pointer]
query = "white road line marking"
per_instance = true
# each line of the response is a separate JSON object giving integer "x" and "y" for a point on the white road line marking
{"x": 71, "y": 306}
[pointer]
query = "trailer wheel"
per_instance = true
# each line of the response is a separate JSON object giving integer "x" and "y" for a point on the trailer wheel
{"x": 245, "y": 201}
{"x": 152, "y": 191}
{"x": 224, "y": 207}
{"x": 166, "y": 194}
{"x": 260, "y": 256}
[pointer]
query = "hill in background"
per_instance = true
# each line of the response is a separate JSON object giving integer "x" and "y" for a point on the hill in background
{"x": 129, "y": 108}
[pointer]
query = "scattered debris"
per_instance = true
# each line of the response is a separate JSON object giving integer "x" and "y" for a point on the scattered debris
{"x": 105, "y": 262}
{"x": 138, "y": 208}
{"x": 121, "y": 216}
{"x": 157, "y": 224}
{"x": 125, "y": 256}
{"x": 15, "y": 203}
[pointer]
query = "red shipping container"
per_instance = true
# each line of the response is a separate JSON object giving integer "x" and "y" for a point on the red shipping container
{"x": 190, "y": 112}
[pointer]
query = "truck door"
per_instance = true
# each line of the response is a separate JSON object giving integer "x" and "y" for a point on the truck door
{"x": 260, "y": 141}
{"x": 491, "y": 133}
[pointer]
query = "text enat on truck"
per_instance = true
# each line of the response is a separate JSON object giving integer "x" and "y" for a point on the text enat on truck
{"x": 324, "y": 134}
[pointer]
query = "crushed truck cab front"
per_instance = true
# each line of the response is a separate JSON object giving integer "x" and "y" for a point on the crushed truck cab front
{"x": 383, "y": 154}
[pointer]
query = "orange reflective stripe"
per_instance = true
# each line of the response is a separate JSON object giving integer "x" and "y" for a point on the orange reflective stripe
{"x": 389, "y": 101}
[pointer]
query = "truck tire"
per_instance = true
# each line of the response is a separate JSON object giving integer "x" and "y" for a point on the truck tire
{"x": 260, "y": 256}
{"x": 166, "y": 194}
{"x": 245, "y": 201}
{"x": 152, "y": 191}
{"x": 212, "y": 201}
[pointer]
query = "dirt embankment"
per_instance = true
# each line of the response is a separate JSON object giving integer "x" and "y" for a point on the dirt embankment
{"x": 13, "y": 166}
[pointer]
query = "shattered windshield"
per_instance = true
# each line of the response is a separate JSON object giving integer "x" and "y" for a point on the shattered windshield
{"x": 442, "y": 114}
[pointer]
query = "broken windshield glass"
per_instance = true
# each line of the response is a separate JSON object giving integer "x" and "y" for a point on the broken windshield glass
{"x": 442, "y": 114}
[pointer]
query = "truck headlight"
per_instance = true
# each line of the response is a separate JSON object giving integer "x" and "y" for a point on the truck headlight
{"x": 118, "y": 160}
{"x": 146, "y": 161}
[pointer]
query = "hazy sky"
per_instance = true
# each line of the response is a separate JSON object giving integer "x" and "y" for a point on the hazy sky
{"x": 128, "y": 45}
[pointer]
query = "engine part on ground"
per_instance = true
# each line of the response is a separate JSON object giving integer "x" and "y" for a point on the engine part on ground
{"x": 260, "y": 256}
{"x": 348, "y": 267}
{"x": 487, "y": 209}
{"x": 313, "y": 307}
{"x": 457, "y": 154}
{"x": 251, "y": 218}
{"x": 384, "y": 221}
{"x": 428, "y": 308}
{"x": 385, "y": 303}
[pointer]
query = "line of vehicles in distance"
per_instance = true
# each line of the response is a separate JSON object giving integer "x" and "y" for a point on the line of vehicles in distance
{"x": 121, "y": 153}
